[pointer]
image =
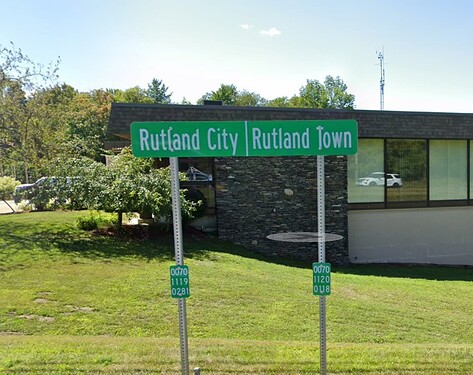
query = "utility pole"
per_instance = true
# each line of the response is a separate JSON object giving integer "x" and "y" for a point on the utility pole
{"x": 381, "y": 81}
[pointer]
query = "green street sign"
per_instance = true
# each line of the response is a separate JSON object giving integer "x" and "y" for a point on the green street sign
{"x": 322, "y": 279}
{"x": 180, "y": 286}
{"x": 244, "y": 138}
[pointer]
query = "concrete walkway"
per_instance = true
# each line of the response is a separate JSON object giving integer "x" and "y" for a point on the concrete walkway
{"x": 4, "y": 209}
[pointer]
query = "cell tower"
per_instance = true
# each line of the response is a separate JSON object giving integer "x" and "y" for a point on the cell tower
{"x": 381, "y": 81}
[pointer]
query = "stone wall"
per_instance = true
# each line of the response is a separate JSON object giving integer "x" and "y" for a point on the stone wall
{"x": 261, "y": 196}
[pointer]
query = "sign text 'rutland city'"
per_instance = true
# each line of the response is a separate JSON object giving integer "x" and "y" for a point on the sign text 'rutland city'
{"x": 244, "y": 138}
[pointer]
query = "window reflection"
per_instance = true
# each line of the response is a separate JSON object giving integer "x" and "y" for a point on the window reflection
{"x": 408, "y": 159}
{"x": 448, "y": 169}
{"x": 365, "y": 172}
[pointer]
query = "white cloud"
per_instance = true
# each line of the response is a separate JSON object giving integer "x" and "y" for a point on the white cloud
{"x": 271, "y": 32}
{"x": 246, "y": 26}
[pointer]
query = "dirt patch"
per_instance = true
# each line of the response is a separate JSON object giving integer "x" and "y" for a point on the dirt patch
{"x": 47, "y": 319}
{"x": 40, "y": 300}
{"x": 11, "y": 333}
{"x": 85, "y": 309}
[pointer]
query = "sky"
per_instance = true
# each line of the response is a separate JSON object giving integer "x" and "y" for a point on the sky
{"x": 270, "y": 47}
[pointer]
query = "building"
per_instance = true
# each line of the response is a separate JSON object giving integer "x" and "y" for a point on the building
{"x": 417, "y": 208}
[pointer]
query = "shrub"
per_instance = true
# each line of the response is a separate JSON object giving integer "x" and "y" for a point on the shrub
{"x": 7, "y": 187}
{"x": 95, "y": 220}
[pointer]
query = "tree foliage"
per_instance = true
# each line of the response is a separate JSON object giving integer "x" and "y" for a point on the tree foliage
{"x": 158, "y": 92}
{"x": 7, "y": 187}
{"x": 86, "y": 124}
{"x": 20, "y": 79}
{"x": 332, "y": 93}
{"x": 230, "y": 95}
{"x": 226, "y": 93}
{"x": 128, "y": 184}
{"x": 15, "y": 66}
{"x": 132, "y": 95}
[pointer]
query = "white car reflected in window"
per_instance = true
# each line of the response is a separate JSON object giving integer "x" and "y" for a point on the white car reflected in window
{"x": 379, "y": 178}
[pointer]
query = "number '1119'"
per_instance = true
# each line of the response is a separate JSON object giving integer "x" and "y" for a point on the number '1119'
{"x": 180, "y": 281}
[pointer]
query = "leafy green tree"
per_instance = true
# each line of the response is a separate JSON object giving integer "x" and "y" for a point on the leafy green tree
{"x": 132, "y": 95}
{"x": 49, "y": 110}
{"x": 20, "y": 79}
{"x": 338, "y": 97}
{"x": 279, "y": 102}
{"x": 158, "y": 92}
{"x": 312, "y": 95}
{"x": 86, "y": 124}
{"x": 228, "y": 94}
{"x": 13, "y": 114}
{"x": 128, "y": 184}
{"x": 7, "y": 188}
{"x": 331, "y": 94}
{"x": 250, "y": 99}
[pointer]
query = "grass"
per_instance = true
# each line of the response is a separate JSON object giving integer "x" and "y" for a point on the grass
{"x": 74, "y": 302}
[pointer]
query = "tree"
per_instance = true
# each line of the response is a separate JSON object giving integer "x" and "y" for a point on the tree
{"x": 20, "y": 78}
{"x": 331, "y": 94}
{"x": 158, "y": 92}
{"x": 7, "y": 188}
{"x": 250, "y": 99}
{"x": 49, "y": 109}
{"x": 230, "y": 95}
{"x": 87, "y": 120}
{"x": 312, "y": 95}
{"x": 132, "y": 95}
{"x": 15, "y": 66}
{"x": 338, "y": 97}
{"x": 279, "y": 102}
{"x": 128, "y": 184}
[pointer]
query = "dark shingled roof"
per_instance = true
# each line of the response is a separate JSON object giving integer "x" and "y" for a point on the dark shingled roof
{"x": 371, "y": 124}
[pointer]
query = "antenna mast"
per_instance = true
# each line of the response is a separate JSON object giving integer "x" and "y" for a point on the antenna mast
{"x": 381, "y": 81}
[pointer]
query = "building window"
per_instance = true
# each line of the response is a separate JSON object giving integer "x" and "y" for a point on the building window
{"x": 365, "y": 172}
{"x": 470, "y": 196}
{"x": 200, "y": 182}
{"x": 388, "y": 173}
{"x": 448, "y": 174}
{"x": 407, "y": 158}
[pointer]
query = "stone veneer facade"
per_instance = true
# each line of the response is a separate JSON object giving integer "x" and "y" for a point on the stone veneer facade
{"x": 261, "y": 196}
{"x": 256, "y": 197}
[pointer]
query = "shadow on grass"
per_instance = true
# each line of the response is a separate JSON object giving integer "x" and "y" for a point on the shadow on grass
{"x": 66, "y": 238}
{"x": 414, "y": 271}
{"x": 427, "y": 272}
{"x": 160, "y": 245}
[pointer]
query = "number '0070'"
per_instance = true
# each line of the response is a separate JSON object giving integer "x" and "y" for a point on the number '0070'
{"x": 178, "y": 271}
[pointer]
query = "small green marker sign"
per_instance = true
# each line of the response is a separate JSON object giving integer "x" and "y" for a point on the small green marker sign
{"x": 180, "y": 286}
{"x": 322, "y": 279}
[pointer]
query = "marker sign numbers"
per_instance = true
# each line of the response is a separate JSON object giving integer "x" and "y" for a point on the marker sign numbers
{"x": 322, "y": 279}
{"x": 180, "y": 285}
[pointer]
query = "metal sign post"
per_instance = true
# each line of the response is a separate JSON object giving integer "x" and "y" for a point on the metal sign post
{"x": 321, "y": 243}
{"x": 179, "y": 254}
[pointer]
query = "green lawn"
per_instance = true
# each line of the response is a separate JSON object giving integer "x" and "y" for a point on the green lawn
{"x": 73, "y": 302}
